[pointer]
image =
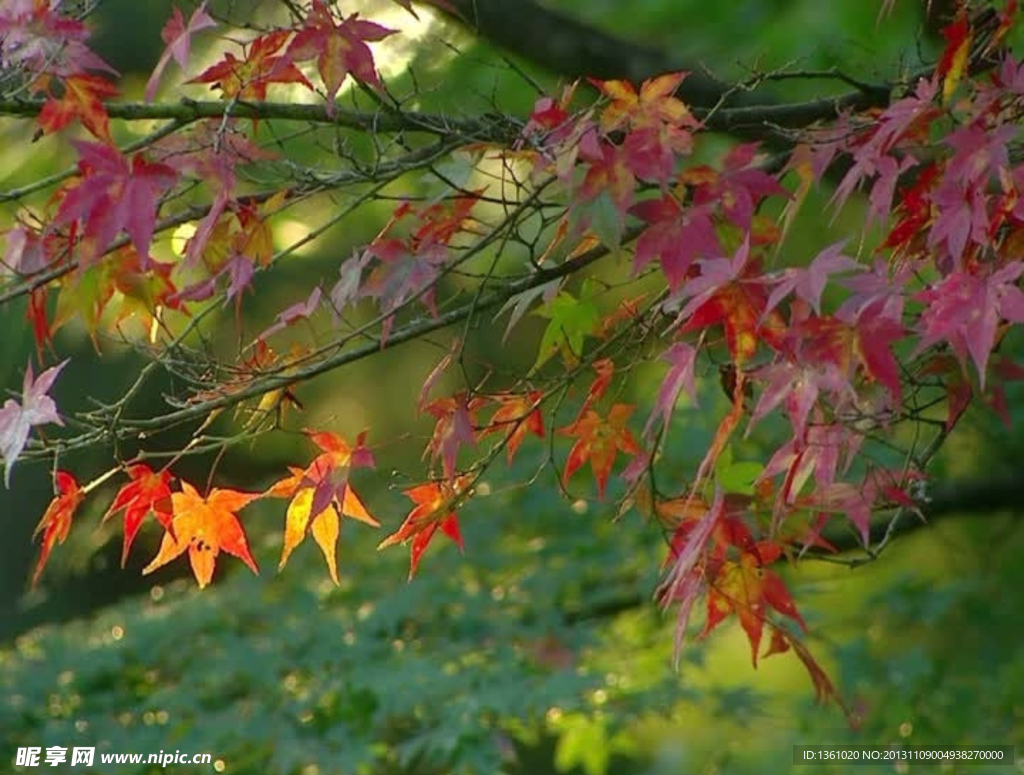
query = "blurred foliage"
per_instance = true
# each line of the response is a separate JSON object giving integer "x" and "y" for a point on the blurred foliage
{"x": 543, "y": 638}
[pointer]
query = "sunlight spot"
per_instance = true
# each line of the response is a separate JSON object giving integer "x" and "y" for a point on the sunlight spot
{"x": 180, "y": 238}
{"x": 219, "y": 765}
{"x": 579, "y": 506}
{"x": 117, "y": 632}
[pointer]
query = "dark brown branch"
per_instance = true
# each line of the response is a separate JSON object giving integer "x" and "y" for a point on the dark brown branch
{"x": 566, "y": 46}
{"x": 957, "y": 499}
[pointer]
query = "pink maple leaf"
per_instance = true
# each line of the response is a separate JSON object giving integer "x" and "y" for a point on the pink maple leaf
{"x": 115, "y": 193}
{"x": 809, "y": 282}
{"x": 36, "y": 408}
{"x": 680, "y": 377}
{"x": 178, "y": 37}
{"x": 299, "y": 311}
{"x": 965, "y": 309}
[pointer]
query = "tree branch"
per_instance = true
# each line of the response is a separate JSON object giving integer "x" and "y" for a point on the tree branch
{"x": 977, "y": 496}
{"x": 565, "y": 45}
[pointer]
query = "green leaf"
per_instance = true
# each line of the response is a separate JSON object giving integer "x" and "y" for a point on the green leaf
{"x": 739, "y": 477}
{"x": 572, "y": 320}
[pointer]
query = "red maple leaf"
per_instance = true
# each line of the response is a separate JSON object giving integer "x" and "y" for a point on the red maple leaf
{"x": 746, "y": 588}
{"x": 249, "y": 78}
{"x": 435, "y": 508}
{"x": 728, "y": 292}
{"x": 17, "y": 420}
{"x": 339, "y": 47}
{"x": 676, "y": 237}
{"x": 599, "y": 440}
{"x": 146, "y": 492}
{"x": 682, "y": 358}
{"x": 115, "y": 193}
{"x": 56, "y": 522}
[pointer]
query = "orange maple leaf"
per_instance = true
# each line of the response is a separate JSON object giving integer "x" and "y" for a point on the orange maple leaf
{"x": 321, "y": 493}
{"x": 146, "y": 492}
{"x": 518, "y": 415}
{"x": 82, "y": 98}
{"x": 204, "y": 526}
{"x": 653, "y": 103}
{"x": 435, "y": 508}
{"x": 599, "y": 440}
{"x": 56, "y": 522}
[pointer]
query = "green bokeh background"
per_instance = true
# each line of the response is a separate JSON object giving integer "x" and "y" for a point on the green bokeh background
{"x": 538, "y": 651}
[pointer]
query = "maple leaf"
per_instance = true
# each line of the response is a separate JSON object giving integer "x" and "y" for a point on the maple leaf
{"x": 325, "y": 525}
{"x": 965, "y": 309}
{"x": 608, "y": 176}
{"x": 435, "y": 508}
{"x": 738, "y": 188}
{"x": 82, "y": 98}
{"x": 682, "y": 358}
{"x": 900, "y": 120}
{"x": 518, "y": 415}
{"x": 676, "y": 237}
{"x": 320, "y": 494}
{"x": 808, "y": 283}
{"x": 340, "y": 48}
{"x": 328, "y": 474}
{"x": 572, "y": 320}
{"x": 951, "y": 67}
{"x": 302, "y": 310}
{"x": 146, "y": 493}
{"x": 35, "y": 37}
{"x": 36, "y": 408}
{"x": 249, "y": 78}
{"x": 745, "y": 587}
{"x": 727, "y": 293}
{"x": 115, "y": 193}
{"x": 653, "y": 103}
{"x": 178, "y": 37}
{"x": 599, "y": 440}
{"x": 205, "y": 526}
{"x": 456, "y": 419}
{"x": 56, "y": 521}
